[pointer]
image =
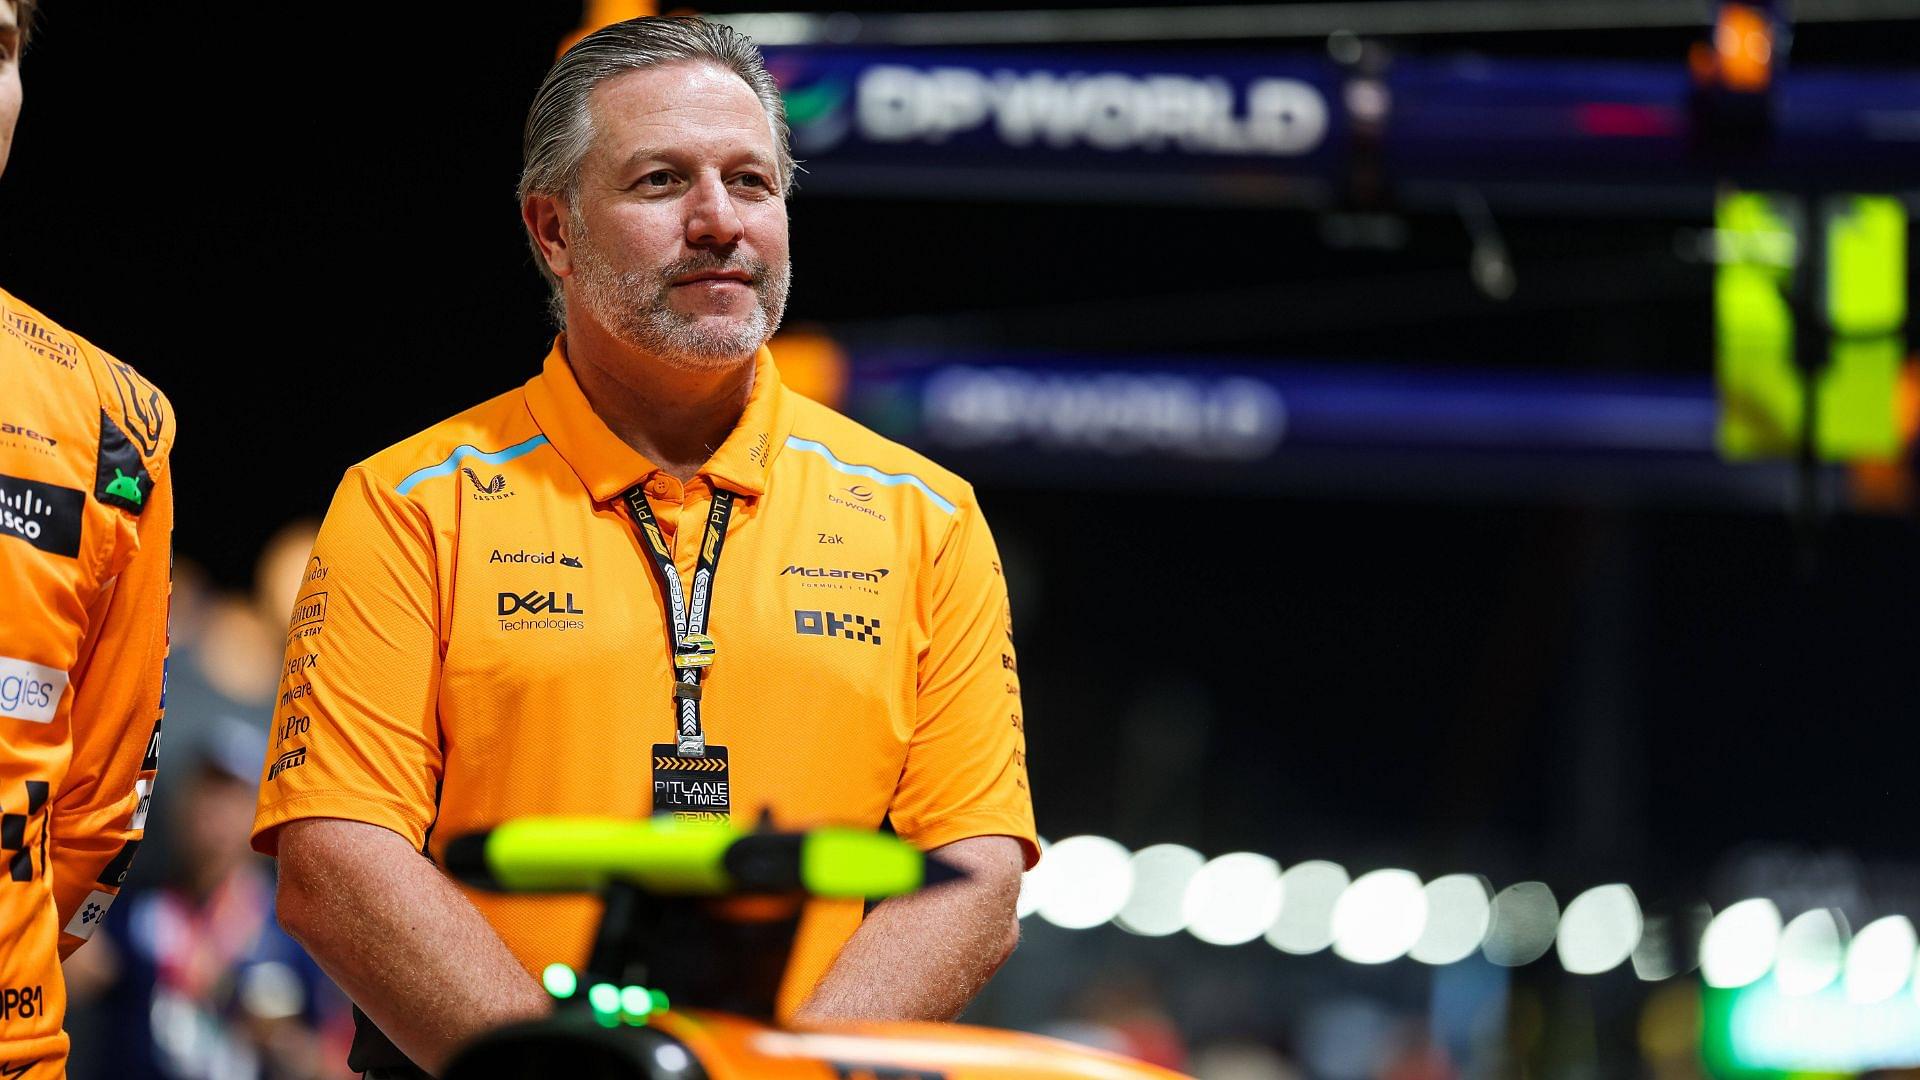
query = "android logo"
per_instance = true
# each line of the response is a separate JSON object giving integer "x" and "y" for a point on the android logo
{"x": 125, "y": 487}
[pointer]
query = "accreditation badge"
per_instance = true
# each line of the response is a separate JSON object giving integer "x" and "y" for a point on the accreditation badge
{"x": 691, "y": 788}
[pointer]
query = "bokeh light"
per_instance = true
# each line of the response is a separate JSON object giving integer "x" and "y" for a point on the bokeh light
{"x": 1379, "y": 917}
{"x": 1459, "y": 908}
{"x": 1161, "y": 874}
{"x": 1090, "y": 880}
{"x": 1880, "y": 960}
{"x": 1233, "y": 899}
{"x": 1305, "y": 925}
{"x": 1599, "y": 930}
{"x": 1812, "y": 950}
{"x": 1033, "y": 884}
{"x": 1524, "y": 921}
{"x": 1740, "y": 943}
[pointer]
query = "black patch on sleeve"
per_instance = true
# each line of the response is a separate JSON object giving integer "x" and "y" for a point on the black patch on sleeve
{"x": 45, "y": 515}
{"x": 121, "y": 479}
{"x": 115, "y": 875}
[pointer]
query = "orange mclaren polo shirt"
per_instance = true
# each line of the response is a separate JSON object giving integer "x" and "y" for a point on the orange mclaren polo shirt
{"x": 481, "y": 637}
{"x": 86, "y": 523}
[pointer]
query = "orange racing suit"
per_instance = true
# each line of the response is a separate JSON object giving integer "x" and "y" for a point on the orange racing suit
{"x": 86, "y": 519}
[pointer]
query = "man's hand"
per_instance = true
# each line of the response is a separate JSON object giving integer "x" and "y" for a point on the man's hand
{"x": 399, "y": 938}
{"x": 925, "y": 955}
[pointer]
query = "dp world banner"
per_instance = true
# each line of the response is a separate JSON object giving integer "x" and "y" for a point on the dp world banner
{"x": 955, "y": 120}
{"x": 1238, "y": 127}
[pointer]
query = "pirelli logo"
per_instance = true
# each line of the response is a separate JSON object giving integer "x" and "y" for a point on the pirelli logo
{"x": 292, "y": 759}
{"x": 680, "y": 764}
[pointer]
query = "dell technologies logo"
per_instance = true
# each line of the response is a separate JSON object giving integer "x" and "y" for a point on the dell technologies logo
{"x": 537, "y": 603}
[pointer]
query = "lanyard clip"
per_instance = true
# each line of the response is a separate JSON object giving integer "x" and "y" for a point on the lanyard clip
{"x": 693, "y": 651}
{"x": 691, "y": 746}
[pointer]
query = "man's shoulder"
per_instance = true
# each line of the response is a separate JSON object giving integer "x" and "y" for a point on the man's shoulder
{"x": 493, "y": 431}
{"x": 87, "y": 380}
{"x": 852, "y": 448}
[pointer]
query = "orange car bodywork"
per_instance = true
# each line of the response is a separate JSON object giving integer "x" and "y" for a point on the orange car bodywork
{"x": 734, "y": 1048}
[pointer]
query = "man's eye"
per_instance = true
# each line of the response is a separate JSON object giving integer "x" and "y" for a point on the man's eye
{"x": 658, "y": 179}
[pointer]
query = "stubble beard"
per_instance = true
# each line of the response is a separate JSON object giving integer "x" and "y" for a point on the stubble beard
{"x": 633, "y": 306}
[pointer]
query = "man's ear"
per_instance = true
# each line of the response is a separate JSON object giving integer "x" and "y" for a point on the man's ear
{"x": 546, "y": 218}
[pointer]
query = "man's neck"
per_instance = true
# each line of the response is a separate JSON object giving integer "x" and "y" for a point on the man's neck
{"x": 673, "y": 417}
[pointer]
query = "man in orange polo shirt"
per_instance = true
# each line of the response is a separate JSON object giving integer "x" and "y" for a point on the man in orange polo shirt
{"x": 653, "y": 580}
{"x": 86, "y": 524}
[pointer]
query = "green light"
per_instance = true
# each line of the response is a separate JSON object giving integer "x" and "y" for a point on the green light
{"x": 634, "y": 1001}
{"x": 1761, "y": 397}
{"x": 560, "y": 981}
{"x": 1867, "y": 265}
{"x": 659, "y": 1000}
{"x": 605, "y": 998}
{"x": 853, "y": 862}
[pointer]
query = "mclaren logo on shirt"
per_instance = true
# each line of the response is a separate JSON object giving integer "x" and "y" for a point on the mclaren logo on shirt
{"x": 835, "y": 572}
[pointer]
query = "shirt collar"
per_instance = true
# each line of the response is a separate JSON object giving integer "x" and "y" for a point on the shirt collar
{"x": 608, "y": 466}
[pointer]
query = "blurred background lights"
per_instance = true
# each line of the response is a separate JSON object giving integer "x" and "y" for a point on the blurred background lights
{"x": 1305, "y": 924}
{"x": 1458, "y": 910}
{"x": 1379, "y": 917}
{"x": 1523, "y": 923}
{"x": 1233, "y": 899}
{"x": 1599, "y": 930}
{"x": 1670, "y": 942}
{"x": 1740, "y": 944}
{"x": 1088, "y": 880}
{"x": 1033, "y": 884}
{"x": 1811, "y": 950}
{"x": 1161, "y": 874}
{"x": 1880, "y": 960}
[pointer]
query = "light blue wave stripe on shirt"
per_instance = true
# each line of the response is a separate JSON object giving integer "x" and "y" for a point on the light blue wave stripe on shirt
{"x": 465, "y": 451}
{"x": 869, "y": 472}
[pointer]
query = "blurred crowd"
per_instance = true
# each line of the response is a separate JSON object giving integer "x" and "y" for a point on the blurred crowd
{"x": 191, "y": 976}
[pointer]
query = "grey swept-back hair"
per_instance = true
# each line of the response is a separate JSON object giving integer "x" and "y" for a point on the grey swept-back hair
{"x": 560, "y": 127}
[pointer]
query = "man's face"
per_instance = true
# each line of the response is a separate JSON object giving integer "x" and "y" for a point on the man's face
{"x": 9, "y": 76}
{"x": 677, "y": 240}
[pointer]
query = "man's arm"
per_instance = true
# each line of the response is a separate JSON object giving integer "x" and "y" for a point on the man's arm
{"x": 98, "y": 817}
{"x": 399, "y": 938}
{"x": 925, "y": 955}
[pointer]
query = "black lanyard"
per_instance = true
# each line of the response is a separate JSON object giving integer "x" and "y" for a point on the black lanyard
{"x": 687, "y": 642}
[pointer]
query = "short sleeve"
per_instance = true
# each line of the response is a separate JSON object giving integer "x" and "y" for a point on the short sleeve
{"x": 966, "y": 767}
{"x": 355, "y": 733}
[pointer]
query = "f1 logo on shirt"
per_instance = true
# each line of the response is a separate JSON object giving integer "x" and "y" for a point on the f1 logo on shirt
{"x": 537, "y": 603}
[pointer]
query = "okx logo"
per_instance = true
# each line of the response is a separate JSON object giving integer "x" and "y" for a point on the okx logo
{"x": 538, "y": 603}
{"x": 828, "y": 624}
